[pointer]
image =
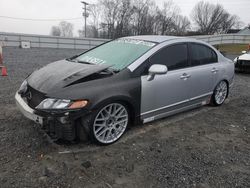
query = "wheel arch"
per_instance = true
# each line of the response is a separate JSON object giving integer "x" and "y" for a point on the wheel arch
{"x": 227, "y": 82}
{"x": 127, "y": 101}
{"x": 83, "y": 122}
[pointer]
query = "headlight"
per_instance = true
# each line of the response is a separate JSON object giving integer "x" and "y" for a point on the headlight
{"x": 61, "y": 104}
{"x": 23, "y": 88}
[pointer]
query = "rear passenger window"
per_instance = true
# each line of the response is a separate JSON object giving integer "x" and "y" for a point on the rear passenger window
{"x": 202, "y": 55}
{"x": 174, "y": 57}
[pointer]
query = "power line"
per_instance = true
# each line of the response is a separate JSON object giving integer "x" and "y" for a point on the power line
{"x": 43, "y": 20}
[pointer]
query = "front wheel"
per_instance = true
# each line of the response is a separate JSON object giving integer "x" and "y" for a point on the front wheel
{"x": 109, "y": 123}
{"x": 220, "y": 93}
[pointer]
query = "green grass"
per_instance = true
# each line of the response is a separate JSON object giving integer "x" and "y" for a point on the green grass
{"x": 232, "y": 48}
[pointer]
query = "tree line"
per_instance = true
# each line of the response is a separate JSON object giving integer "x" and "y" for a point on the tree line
{"x": 118, "y": 18}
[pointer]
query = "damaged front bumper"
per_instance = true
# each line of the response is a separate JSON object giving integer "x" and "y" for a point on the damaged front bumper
{"x": 59, "y": 125}
{"x": 27, "y": 111}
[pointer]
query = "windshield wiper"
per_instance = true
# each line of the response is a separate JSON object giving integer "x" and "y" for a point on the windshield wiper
{"x": 112, "y": 70}
{"x": 84, "y": 62}
{"x": 71, "y": 60}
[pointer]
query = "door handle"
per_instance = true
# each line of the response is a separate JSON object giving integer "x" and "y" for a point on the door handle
{"x": 214, "y": 70}
{"x": 185, "y": 76}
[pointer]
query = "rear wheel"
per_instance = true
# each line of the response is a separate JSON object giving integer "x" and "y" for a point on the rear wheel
{"x": 220, "y": 93}
{"x": 109, "y": 123}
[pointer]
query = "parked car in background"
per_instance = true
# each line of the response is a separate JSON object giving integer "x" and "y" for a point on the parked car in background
{"x": 242, "y": 62}
{"x": 125, "y": 81}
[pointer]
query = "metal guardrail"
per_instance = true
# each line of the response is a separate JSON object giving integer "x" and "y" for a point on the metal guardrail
{"x": 224, "y": 39}
{"x": 43, "y": 41}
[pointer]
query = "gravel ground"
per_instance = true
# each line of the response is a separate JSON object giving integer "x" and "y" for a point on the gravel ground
{"x": 208, "y": 147}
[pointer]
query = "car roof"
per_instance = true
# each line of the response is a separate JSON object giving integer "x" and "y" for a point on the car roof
{"x": 153, "y": 38}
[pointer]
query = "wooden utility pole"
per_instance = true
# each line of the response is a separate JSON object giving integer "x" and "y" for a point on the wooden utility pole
{"x": 85, "y": 15}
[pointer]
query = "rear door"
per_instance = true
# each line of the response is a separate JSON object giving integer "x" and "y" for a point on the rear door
{"x": 204, "y": 70}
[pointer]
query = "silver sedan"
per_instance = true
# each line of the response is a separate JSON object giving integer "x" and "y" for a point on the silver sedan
{"x": 128, "y": 80}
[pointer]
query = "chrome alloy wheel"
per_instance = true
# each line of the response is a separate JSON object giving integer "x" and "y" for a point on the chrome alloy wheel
{"x": 221, "y": 92}
{"x": 110, "y": 123}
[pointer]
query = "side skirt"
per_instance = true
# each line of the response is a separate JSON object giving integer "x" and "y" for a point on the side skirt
{"x": 174, "y": 109}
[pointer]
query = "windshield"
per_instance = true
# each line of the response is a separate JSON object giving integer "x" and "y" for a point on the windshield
{"x": 118, "y": 53}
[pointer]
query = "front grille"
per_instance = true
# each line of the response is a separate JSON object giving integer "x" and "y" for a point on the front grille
{"x": 34, "y": 97}
{"x": 56, "y": 130}
{"x": 243, "y": 63}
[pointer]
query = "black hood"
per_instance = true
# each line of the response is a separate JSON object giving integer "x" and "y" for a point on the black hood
{"x": 60, "y": 74}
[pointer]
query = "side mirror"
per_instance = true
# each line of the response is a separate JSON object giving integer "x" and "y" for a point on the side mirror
{"x": 156, "y": 69}
{"x": 243, "y": 52}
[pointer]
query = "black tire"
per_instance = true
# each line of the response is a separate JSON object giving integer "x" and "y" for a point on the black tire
{"x": 86, "y": 130}
{"x": 214, "y": 99}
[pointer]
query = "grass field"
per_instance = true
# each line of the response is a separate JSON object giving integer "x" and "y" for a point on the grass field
{"x": 232, "y": 48}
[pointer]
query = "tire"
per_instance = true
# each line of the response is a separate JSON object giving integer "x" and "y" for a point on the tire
{"x": 107, "y": 124}
{"x": 220, "y": 93}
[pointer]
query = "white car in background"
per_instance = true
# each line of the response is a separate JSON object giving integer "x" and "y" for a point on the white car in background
{"x": 242, "y": 62}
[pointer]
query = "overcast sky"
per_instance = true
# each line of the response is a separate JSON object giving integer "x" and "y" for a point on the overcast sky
{"x": 60, "y": 9}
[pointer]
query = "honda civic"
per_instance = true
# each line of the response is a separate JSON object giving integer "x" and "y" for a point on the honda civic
{"x": 126, "y": 81}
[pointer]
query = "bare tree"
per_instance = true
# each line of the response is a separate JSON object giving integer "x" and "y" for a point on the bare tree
{"x": 140, "y": 16}
{"x": 90, "y": 32}
{"x": 117, "y": 18}
{"x": 167, "y": 17}
{"x": 95, "y": 11}
{"x": 66, "y": 29}
{"x": 55, "y": 31}
{"x": 123, "y": 26}
{"x": 81, "y": 33}
{"x": 211, "y": 18}
{"x": 109, "y": 14}
{"x": 181, "y": 25}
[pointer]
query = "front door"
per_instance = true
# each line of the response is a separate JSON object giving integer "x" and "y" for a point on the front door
{"x": 171, "y": 90}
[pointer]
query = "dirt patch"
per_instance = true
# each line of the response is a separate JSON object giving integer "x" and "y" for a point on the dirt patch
{"x": 206, "y": 147}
